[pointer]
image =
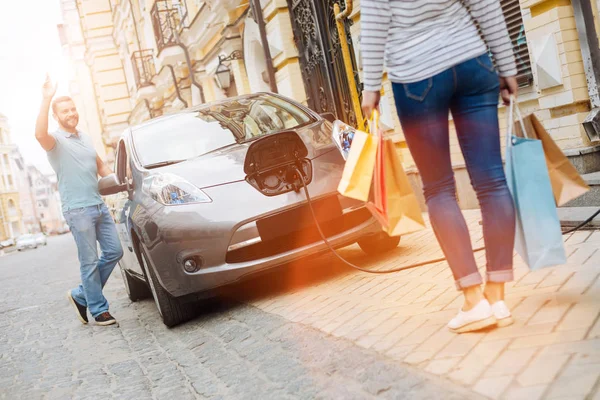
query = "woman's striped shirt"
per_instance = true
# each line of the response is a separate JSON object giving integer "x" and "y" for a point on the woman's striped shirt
{"x": 421, "y": 38}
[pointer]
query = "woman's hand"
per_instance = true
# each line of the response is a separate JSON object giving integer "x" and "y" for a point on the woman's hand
{"x": 370, "y": 102}
{"x": 508, "y": 87}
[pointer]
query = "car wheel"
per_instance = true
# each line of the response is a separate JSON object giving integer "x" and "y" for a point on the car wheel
{"x": 378, "y": 243}
{"x": 171, "y": 309}
{"x": 136, "y": 289}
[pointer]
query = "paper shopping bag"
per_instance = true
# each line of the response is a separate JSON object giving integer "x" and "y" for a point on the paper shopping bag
{"x": 394, "y": 204}
{"x": 566, "y": 182}
{"x": 358, "y": 171}
{"x": 378, "y": 203}
{"x": 538, "y": 237}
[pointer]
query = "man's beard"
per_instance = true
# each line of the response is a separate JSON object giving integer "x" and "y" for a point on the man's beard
{"x": 70, "y": 123}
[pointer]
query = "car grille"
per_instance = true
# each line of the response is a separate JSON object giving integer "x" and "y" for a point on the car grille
{"x": 298, "y": 238}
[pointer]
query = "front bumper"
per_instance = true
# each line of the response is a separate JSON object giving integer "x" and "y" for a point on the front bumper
{"x": 167, "y": 260}
{"x": 206, "y": 232}
{"x": 211, "y": 232}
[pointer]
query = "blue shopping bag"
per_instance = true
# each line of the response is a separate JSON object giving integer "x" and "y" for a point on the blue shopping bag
{"x": 538, "y": 237}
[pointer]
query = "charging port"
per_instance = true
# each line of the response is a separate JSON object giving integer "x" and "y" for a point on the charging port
{"x": 277, "y": 164}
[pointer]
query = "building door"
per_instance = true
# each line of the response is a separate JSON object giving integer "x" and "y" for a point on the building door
{"x": 323, "y": 72}
{"x": 15, "y": 229}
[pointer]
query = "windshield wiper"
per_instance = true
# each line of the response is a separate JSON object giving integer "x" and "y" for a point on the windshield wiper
{"x": 162, "y": 164}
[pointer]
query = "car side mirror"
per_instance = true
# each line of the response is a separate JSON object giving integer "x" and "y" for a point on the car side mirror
{"x": 329, "y": 116}
{"x": 110, "y": 185}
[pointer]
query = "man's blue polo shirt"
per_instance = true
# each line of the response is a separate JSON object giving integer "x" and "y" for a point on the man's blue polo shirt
{"x": 73, "y": 158}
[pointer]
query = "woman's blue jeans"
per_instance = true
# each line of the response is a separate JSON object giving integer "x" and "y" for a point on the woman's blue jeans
{"x": 470, "y": 91}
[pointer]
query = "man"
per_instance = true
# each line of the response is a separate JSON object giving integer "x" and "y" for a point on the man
{"x": 77, "y": 165}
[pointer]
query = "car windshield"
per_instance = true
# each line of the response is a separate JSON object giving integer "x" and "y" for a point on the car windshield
{"x": 195, "y": 133}
{"x": 25, "y": 237}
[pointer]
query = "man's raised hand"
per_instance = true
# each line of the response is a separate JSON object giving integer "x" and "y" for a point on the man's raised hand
{"x": 48, "y": 90}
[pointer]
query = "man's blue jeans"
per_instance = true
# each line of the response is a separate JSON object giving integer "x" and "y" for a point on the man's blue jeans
{"x": 88, "y": 226}
{"x": 470, "y": 91}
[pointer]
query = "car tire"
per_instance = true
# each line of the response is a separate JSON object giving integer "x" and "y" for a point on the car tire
{"x": 172, "y": 310}
{"x": 135, "y": 288}
{"x": 378, "y": 243}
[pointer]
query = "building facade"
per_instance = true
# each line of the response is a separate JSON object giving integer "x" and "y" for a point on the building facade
{"x": 98, "y": 86}
{"x": 11, "y": 224}
{"x": 47, "y": 204}
{"x": 31, "y": 223}
{"x": 166, "y": 55}
{"x": 39, "y": 201}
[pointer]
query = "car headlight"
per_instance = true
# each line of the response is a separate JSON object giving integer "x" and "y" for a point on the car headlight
{"x": 170, "y": 189}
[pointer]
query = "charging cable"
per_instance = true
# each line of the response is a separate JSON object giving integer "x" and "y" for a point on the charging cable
{"x": 584, "y": 223}
{"x": 389, "y": 271}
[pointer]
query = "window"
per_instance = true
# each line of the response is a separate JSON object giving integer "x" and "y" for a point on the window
{"x": 192, "y": 134}
{"x": 122, "y": 163}
{"x": 265, "y": 118}
{"x": 128, "y": 168}
{"x": 516, "y": 30}
{"x": 116, "y": 164}
{"x": 12, "y": 209}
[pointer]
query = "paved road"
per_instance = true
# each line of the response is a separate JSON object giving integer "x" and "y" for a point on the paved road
{"x": 230, "y": 350}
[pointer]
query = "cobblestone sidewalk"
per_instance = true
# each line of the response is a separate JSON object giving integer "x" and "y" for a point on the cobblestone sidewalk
{"x": 230, "y": 351}
{"x": 552, "y": 350}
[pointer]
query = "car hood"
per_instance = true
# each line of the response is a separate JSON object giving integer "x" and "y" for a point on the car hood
{"x": 226, "y": 165}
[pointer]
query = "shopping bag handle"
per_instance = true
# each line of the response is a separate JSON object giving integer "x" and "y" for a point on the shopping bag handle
{"x": 373, "y": 123}
{"x": 512, "y": 110}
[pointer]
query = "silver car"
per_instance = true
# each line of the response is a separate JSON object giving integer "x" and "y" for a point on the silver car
{"x": 40, "y": 239}
{"x": 26, "y": 241}
{"x": 210, "y": 195}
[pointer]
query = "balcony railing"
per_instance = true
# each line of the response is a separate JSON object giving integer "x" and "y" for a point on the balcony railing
{"x": 143, "y": 67}
{"x": 168, "y": 18}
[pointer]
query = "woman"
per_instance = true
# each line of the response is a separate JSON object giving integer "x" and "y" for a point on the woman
{"x": 438, "y": 63}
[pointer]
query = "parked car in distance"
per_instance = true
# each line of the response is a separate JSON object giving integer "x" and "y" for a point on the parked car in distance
{"x": 40, "y": 239}
{"x": 7, "y": 243}
{"x": 26, "y": 241}
{"x": 222, "y": 198}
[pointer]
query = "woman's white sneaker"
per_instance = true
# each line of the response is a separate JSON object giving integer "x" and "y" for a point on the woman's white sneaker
{"x": 502, "y": 314}
{"x": 479, "y": 317}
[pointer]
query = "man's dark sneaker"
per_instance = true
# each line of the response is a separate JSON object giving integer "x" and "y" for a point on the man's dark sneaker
{"x": 105, "y": 319}
{"x": 81, "y": 310}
